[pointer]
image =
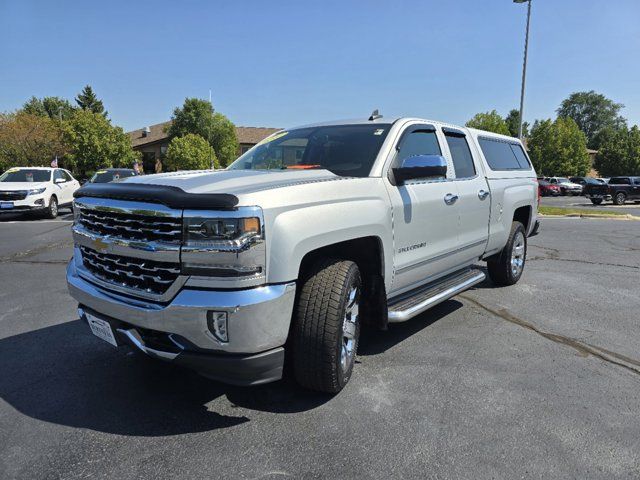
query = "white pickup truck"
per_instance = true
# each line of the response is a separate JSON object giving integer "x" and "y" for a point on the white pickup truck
{"x": 312, "y": 233}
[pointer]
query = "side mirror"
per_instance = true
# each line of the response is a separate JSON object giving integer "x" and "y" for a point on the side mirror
{"x": 59, "y": 180}
{"x": 419, "y": 166}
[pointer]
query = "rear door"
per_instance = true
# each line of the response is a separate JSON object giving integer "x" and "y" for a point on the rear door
{"x": 635, "y": 193}
{"x": 474, "y": 202}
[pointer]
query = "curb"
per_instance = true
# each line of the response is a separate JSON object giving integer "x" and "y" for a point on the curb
{"x": 591, "y": 215}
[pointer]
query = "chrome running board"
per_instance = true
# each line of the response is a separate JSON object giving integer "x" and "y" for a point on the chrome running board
{"x": 413, "y": 303}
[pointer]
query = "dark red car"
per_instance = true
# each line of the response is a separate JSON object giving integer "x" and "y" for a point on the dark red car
{"x": 545, "y": 189}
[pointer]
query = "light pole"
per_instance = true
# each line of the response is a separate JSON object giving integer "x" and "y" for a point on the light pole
{"x": 524, "y": 65}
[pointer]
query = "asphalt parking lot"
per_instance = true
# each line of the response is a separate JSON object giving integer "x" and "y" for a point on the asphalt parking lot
{"x": 538, "y": 380}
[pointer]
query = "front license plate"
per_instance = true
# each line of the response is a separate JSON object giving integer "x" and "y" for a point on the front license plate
{"x": 101, "y": 329}
{"x": 6, "y": 205}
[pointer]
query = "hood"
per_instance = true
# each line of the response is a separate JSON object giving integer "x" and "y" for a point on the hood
{"x": 13, "y": 186}
{"x": 233, "y": 181}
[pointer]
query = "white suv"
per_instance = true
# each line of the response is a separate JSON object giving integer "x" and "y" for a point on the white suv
{"x": 36, "y": 189}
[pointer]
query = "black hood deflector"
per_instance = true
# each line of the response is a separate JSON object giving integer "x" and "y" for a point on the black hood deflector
{"x": 172, "y": 197}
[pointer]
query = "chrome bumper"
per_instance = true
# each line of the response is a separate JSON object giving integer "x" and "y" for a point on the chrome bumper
{"x": 258, "y": 318}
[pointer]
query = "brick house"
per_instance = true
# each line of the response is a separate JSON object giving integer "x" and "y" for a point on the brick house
{"x": 153, "y": 141}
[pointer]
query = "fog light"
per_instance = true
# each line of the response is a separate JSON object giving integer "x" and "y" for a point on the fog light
{"x": 40, "y": 201}
{"x": 217, "y": 323}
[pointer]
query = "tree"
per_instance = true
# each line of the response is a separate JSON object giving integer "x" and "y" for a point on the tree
{"x": 619, "y": 152}
{"x": 94, "y": 143}
{"x": 87, "y": 100}
{"x": 489, "y": 121}
{"x": 29, "y": 140}
{"x": 198, "y": 117}
{"x": 512, "y": 120}
{"x": 558, "y": 148}
{"x": 191, "y": 152}
{"x": 592, "y": 112}
{"x": 55, "y": 108}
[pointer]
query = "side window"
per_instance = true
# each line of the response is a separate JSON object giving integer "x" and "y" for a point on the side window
{"x": 419, "y": 142}
{"x": 58, "y": 174}
{"x": 619, "y": 181}
{"x": 66, "y": 176}
{"x": 461, "y": 156}
{"x": 502, "y": 155}
{"x": 522, "y": 158}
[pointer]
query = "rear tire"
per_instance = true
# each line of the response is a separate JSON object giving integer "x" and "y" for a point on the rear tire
{"x": 619, "y": 198}
{"x": 326, "y": 327}
{"x": 506, "y": 267}
{"x": 52, "y": 209}
{"x": 596, "y": 201}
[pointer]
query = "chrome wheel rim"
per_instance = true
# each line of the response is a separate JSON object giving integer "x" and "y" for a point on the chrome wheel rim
{"x": 517, "y": 254}
{"x": 349, "y": 329}
{"x": 54, "y": 207}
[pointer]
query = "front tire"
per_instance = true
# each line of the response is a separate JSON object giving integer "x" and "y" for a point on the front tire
{"x": 326, "y": 326}
{"x": 506, "y": 267}
{"x": 52, "y": 209}
{"x": 619, "y": 198}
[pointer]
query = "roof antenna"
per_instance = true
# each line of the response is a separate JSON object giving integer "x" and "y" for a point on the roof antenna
{"x": 375, "y": 115}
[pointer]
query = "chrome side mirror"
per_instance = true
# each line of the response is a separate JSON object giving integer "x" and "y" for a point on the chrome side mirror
{"x": 419, "y": 166}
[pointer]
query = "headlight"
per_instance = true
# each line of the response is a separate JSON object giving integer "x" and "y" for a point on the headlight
{"x": 221, "y": 232}
{"x": 224, "y": 244}
{"x": 36, "y": 191}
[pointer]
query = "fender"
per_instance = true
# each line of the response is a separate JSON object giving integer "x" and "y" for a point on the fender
{"x": 296, "y": 232}
{"x": 506, "y": 198}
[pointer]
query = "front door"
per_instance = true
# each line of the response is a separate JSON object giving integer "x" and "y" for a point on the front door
{"x": 425, "y": 217}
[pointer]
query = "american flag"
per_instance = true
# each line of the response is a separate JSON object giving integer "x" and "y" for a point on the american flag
{"x": 54, "y": 162}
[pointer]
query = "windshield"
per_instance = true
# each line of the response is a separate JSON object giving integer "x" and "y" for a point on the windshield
{"x": 105, "y": 176}
{"x": 25, "y": 175}
{"x": 346, "y": 150}
{"x": 563, "y": 180}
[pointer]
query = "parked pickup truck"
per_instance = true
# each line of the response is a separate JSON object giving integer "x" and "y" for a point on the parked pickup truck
{"x": 619, "y": 189}
{"x": 309, "y": 235}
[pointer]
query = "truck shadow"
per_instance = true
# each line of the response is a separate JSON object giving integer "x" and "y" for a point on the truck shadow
{"x": 63, "y": 375}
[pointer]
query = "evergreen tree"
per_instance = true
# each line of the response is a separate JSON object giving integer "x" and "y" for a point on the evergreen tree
{"x": 87, "y": 100}
{"x": 512, "y": 120}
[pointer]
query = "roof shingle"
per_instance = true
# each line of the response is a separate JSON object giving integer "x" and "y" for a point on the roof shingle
{"x": 246, "y": 135}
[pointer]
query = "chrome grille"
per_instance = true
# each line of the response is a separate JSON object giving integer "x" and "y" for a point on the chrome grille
{"x": 134, "y": 273}
{"x": 131, "y": 226}
{"x": 13, "y": 195}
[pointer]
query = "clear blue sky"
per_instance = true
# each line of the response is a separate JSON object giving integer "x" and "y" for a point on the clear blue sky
{"x": 290, "y": 62}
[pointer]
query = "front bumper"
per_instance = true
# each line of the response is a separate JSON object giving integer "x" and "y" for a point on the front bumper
{"x": 31, "y": 203}
{"x": 258, "y": 326}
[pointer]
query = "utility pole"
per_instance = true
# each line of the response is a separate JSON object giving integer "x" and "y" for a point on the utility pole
{"x": 524, "y": 65}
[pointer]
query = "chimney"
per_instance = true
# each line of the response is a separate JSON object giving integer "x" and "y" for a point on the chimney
{"x": 146, "y": 131}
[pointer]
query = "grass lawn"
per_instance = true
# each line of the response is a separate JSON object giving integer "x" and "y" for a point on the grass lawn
{"x": 546, "y": 210}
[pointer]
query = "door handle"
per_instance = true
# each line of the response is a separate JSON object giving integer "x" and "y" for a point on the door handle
{"x": 482, "y": 194}
{"x": 450, "y": 198}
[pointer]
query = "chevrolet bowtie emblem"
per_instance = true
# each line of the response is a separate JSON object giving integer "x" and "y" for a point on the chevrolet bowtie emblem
{"x": 100, "y": 245}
